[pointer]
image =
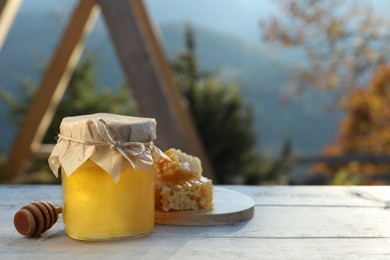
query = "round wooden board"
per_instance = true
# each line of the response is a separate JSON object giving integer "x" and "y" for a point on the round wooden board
{"x": 229, "y": 207}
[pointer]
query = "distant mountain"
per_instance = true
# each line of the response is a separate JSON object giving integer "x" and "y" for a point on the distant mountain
{"x": 260, "y": 74}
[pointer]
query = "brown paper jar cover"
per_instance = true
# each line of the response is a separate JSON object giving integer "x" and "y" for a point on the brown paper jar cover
{"x": 114, "y": 142}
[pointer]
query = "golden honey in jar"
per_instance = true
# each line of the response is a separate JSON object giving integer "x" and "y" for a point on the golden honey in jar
{"x": 107, "y": 175}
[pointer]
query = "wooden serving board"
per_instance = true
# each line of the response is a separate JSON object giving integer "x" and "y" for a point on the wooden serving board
{"x": 229, "y": 207}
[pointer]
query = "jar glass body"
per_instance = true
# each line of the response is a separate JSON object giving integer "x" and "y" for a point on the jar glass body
{"x": 95, "y": 207}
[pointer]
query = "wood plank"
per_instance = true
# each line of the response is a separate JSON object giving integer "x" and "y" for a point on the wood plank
{"x": 196, "y": 248}
{"x": 268, "y": 196}
{"x": 348, "y": 196}
{"x": 8, "y": 11}
{"x": 53, "y": 86}
{"x": 150, "y": 77}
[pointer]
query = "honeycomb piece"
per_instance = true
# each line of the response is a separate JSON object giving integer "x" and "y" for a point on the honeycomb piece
{"x": 182, "y": 167}
{"x": 189, "y": 195}
{"x": 179, "y": 184}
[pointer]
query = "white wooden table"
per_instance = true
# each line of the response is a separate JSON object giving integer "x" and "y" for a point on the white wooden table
{"x": 289, "y": 223}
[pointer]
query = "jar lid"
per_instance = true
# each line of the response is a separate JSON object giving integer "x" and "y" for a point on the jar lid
{"x": 113, "y": 142}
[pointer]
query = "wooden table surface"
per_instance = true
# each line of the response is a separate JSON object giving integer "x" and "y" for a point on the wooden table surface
{"x": 290, "y": 222}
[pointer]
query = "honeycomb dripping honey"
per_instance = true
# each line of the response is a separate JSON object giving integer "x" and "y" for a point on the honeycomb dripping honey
{"x": 179, "y": 184}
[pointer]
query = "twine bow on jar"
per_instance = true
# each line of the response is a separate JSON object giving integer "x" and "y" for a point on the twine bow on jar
{"x": 124, "y": 148}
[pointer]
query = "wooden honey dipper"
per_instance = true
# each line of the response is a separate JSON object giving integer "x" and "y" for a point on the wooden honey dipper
{"x": 36, "y": 218}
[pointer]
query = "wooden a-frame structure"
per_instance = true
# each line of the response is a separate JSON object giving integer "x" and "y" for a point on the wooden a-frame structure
{"x": 144, "y": 66}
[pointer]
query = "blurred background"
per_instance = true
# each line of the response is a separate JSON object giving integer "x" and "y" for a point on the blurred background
{"x": 297, "y": 90}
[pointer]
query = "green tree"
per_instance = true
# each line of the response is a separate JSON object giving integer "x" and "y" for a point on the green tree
{"x": 223, "y": 120}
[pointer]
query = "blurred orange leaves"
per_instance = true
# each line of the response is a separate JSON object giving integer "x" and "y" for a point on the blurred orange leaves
{"x": 365, "y": 129}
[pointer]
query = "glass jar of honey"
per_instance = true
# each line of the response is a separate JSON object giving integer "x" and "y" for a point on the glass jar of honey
{"x": 106, "y": 162}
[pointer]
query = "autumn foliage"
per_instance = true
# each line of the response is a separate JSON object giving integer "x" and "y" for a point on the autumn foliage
{"x": 342, "y": 41}
{"x": 364, "y": 130}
